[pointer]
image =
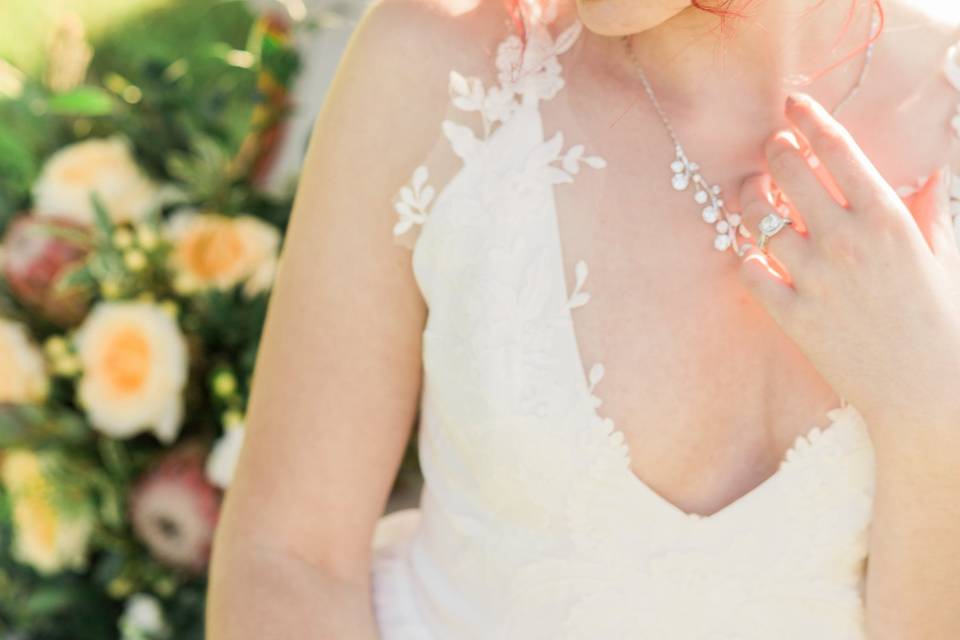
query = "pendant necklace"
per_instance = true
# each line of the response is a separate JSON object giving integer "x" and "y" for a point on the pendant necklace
{"x": 727, "y": 224}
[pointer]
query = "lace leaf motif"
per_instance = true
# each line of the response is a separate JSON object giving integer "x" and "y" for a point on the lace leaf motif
{"x": 413, "y": 202}
{"x": 579, "y": 297}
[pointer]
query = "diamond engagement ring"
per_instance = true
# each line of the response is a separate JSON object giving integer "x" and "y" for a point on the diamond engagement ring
{"x": 771, "y": 224}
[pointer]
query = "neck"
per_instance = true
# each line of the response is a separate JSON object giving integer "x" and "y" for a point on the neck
{"x": 773, "y": 47}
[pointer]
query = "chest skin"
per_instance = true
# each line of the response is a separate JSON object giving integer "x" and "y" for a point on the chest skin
{"x": 707, "y": 389}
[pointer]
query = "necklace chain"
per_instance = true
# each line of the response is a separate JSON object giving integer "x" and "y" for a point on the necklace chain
{"x": 728, "y": 225}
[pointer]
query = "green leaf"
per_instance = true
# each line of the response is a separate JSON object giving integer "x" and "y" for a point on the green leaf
{"x": 16, "y": 156}
{"x": 111, "y": 500}
{"x": 204, "y": 171}
{"x": 113, "y": 454}
{"x": 74, "y": 277}
{"x": 280, "y": 60}
{"x": 82, "y": 101}
{"x": 37, "y": 425}
{"x": 49, "y": 599}
{"x": 101, "y": 217}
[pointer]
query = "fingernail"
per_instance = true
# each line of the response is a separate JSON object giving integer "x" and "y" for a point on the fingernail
{"x": 793, "y": 99}
{"x": 787, "y": 137}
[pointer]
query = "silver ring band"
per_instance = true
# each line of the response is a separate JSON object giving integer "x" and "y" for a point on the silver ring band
{"x": 770, "y": 226}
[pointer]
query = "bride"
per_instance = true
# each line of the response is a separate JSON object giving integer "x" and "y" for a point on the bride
{"x": 672, "y": 290}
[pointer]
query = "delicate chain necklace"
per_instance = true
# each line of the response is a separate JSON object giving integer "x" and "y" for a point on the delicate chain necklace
{"x": 727, "y": 224}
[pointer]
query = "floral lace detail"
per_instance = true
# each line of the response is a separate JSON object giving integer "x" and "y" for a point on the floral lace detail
{"x": 579, "y": 297}
{"x": 524, "y": 73}
{"x": 413, "y": 201}
{"x": 540, "y": 166}
{"x": 531, "y": 71}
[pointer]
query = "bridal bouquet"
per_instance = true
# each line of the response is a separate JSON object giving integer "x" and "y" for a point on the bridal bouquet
{"x": 137, "y": 255}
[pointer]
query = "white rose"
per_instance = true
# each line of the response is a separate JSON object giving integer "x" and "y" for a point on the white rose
{"x": 135, "y": 363}
{"x": 104, "y": 166}
{"x": 46, "y": 536}
{"x": 222, "y": 460}
{"x": 212, "y": 250}
{"x": 23, "y": 377}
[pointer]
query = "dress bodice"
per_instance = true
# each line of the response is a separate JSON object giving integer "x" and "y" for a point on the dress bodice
{"x": 531, "y": 523}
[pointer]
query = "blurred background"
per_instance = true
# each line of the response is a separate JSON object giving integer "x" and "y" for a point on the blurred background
{"x": 149, "y": 152}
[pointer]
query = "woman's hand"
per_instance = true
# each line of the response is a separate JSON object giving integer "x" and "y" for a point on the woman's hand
{"x": 867, "y": 286}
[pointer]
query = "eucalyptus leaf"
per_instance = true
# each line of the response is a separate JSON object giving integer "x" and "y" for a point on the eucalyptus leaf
{"x": 101, "y": 217}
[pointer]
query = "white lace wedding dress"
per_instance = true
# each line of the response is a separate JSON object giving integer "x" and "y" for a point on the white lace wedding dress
{"x": 531, "y": 523}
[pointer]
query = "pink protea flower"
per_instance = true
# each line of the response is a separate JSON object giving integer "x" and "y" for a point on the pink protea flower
{"x": 174, "y": 509}
{"x": 35, "y": 255}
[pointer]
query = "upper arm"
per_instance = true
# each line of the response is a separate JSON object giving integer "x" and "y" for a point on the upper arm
{"x": 338, "y": 374}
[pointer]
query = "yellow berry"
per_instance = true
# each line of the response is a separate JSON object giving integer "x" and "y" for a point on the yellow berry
{"x": 170, "y": 308}
{"x": 110, "y": 288}
{"x": 135, "y": 259}
{"x": 147, "y": 237}
{"x": 119, "y": 587}
{"x": 184, "y": 283}
{"x": 55, "y": 346}
{"x": 67, "y": 365}
{"x": 164, "y": 586}
{"x": 232, "y": 418}
{"x": 122, "y": 238}
{"x": 224, "y": 383}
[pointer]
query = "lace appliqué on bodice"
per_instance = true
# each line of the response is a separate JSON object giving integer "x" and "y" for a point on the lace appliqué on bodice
{"x": 525, "y": 75}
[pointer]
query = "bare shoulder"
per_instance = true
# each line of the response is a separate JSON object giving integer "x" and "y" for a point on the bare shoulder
{"x": 382, "y": 115}
{"x": 408, "y": 47}
{"x": 912, "y": 49}
{"x": 455, "y": 28}
{"x": 911, "y": 99}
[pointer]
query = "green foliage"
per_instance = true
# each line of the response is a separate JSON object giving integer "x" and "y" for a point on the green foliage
{"x": 281, "y": 61}
{"x": 188, "y": 86}
{"x": 175, "y": 81}
{"x": 181, "y": 84}
{"x": 202, "y": 170}
{"x": 82, "y": 101}
{"x": 40, "y": 426}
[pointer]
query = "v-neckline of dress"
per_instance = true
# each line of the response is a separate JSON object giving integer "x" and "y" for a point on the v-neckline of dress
{"x": 616, "y": 438}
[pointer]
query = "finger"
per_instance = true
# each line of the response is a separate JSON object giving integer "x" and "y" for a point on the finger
{"x": 795, "y": 178}
{"x": 859, "y": 182}
{"x": 930, "y": 207}
{"x": 756, "y": 203}
{"x": 767, "y": 285}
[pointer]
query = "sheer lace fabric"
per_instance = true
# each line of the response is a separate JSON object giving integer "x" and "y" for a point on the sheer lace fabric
{"x": 531, "y": 523}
